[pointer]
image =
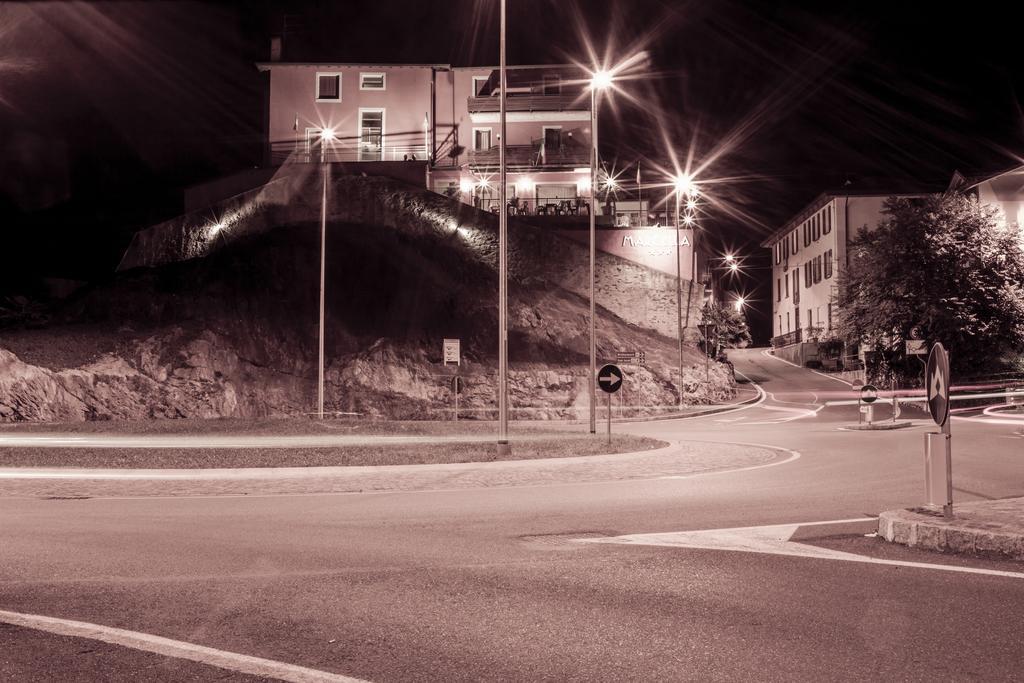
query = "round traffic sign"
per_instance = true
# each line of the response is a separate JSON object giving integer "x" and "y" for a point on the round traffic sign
{"x": 869, "y": 393}
{"x": 937, "y": 383}
{"x": 609, "y": 378}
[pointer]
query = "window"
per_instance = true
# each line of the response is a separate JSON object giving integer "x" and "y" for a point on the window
{"x": 787, "y": 321}
{"x": 479, "y": 83}
{"x": 828, "y": 221}
{"x": 778, "y": 289}
{"x": 785, "y": 248}
{"x": 807, "y": 274}
{"x": 796, "y": 286}
{"x": 830, "y": 316}
{"x": 787, "y": 286}
{"x": 780, "y": 323}
{"x": 828, "y": 264}
{"x": 810, "y": 318}
{"x": 816, "y": 230}
{"x": 778, "y": 253}
{"x": 807, "y": 234}
{"x": 481, "y": 139}
{"x": 372, "y": 82}
{"x": 328, "y": 87}
{"x": 817, "y": 269}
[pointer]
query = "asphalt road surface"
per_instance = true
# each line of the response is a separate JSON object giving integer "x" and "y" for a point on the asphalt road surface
{"x": 533, "y": 582}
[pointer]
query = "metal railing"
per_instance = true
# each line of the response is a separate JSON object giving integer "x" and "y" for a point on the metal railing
{"x": 290, "y": 152}
{"x": 532, "y": 156}
{"x": 793, "y": 337}
{"x": 522, "y": 206}
{"x": 530, "y": 103}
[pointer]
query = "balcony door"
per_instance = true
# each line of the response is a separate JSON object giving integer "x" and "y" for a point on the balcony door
{"x": 371, "y": 134}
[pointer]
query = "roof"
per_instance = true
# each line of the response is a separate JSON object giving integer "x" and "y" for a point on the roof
{"x": 971, "y": 182}
{"x": 263, "y": 66}
{"x": 868, "y": 188}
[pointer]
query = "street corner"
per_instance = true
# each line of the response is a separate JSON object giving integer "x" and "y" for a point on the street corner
{"x": 993, "y": 529}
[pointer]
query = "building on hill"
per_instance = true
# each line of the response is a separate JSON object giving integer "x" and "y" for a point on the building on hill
{"x": 810, "y": 250}
{"x": 446, "y": 117}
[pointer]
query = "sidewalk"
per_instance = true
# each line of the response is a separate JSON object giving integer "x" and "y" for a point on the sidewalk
{"x": 986, "y": 527}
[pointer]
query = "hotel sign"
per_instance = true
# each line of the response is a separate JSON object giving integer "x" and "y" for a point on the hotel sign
{"x": 655, "y": 248}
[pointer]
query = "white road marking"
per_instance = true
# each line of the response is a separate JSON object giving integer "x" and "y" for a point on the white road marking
{"x": 775, "y": 540}
{"x": 766, "y": 354}
{"x": 232, "y": 661}
{"x": 793, "y": 455}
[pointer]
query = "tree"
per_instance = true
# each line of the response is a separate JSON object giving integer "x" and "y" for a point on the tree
{"x": 725, "y": 326}
{"x": 946, "y": 267}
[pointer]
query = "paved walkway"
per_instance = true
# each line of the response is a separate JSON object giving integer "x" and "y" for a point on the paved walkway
{"x": 986, "y": 527}
{"x": 678, "y": 459}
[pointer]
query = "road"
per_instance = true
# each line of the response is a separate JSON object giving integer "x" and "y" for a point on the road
{"x": 548, "y": 582}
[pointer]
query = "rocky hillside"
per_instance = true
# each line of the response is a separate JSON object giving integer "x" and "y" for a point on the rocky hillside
{"x": 234, "y": 333}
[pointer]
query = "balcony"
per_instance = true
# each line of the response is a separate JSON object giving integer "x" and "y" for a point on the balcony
{"x": 534, "y": 156}
{"x": 530, "y": 103}
{"x": 794, "y": 337}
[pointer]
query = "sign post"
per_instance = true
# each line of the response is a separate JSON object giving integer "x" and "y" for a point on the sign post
{"x": 937, "y": 381}
{"x": 869, "y": 394}
{"x": 609, "y": 379}
{"x": 457, "y": 385}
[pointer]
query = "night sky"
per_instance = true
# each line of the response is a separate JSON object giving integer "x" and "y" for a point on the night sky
{"x": 107, "y": 110}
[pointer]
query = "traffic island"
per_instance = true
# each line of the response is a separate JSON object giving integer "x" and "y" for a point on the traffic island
{"x": 868, "y": 426}
{"x": 988, "y": 528}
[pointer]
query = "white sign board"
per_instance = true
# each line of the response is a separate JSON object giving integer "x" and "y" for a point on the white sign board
{"x": 452, "y": 354}
{"x": 917, "y": 347}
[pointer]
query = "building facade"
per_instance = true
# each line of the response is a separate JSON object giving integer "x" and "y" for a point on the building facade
{"x": 446, "y": 117}
{"x": 808, "y": 253}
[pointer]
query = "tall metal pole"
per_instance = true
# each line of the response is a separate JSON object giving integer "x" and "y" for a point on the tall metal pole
{"x": 503, "y": 446}
{"x": 323, "y": 269}
{"x": 592, "y": 378}
{"x": 679, "y": 301}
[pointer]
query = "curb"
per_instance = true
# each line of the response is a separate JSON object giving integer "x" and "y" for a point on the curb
{"x": 683, "y": 416}
{"x": 929, "y": 530}
{"x": 878, "y": 426}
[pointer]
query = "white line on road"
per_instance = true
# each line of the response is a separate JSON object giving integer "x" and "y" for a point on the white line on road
{"x": 793, "y": 455}
{"x": 232, "y": 661}
{"x": 774, "y": 539}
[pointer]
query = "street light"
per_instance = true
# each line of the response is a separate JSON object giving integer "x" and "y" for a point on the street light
{"x": 326, "y": 136}
{"x": 599, "y": 80}
{"x": 503, "y": 445}
{"x": 739, "y": 303}
{"x": 683, "y": 185}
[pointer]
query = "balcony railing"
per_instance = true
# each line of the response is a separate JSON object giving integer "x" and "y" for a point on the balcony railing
{"x": 281, "y": 152}
{"x": 523, "y": 206}
{"x": 530, "y": 103}
{"x": 793, "y": 337}
{"x": 570, "y": 156}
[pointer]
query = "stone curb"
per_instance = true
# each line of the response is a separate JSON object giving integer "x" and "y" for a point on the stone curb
{"x": 682, "y": 416}
{"x": 883, "y": 426}
{"x": 918, "y": 528}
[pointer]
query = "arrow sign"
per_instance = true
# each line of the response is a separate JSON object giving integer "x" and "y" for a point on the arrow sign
{"x": 937, "y": 382}
{"x": 609, "y": 378}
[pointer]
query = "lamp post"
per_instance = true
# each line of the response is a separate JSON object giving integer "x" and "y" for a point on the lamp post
{"x": 326, "y": 135}
{"x": 682, "y": 185}
{"x": 503, "y": 445}
{"x": 599, "y": 81}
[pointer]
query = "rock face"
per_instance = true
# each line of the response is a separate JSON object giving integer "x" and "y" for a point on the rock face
{"x": 233, "y": 332}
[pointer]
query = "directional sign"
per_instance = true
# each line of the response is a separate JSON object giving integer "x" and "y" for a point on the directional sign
{"x": 917, "y": 347}
{"x": 452, "y": 352}
{"x": 869, "y": 393}
{"x": 609, "y": 378}
{"x": 633, "y": 357}
{"x": 937, "y": 382}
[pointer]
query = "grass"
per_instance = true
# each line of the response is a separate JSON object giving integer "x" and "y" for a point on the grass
{"x": 535, "y": 440}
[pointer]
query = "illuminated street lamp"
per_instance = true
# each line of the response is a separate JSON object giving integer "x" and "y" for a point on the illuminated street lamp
{"x": 599, "y": 80}
{"x": 739, "y": 303}
{"x": 729, "y": 258}
{"x": 326, "y": 136}
{"x": 683, "y": 185}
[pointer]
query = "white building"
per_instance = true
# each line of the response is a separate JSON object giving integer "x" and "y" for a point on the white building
{"x": 808, "y": 253}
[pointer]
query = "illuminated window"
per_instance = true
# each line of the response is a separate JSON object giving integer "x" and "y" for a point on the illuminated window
{"x": 372, "y": 82}
{"x": 328, "y": 87}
